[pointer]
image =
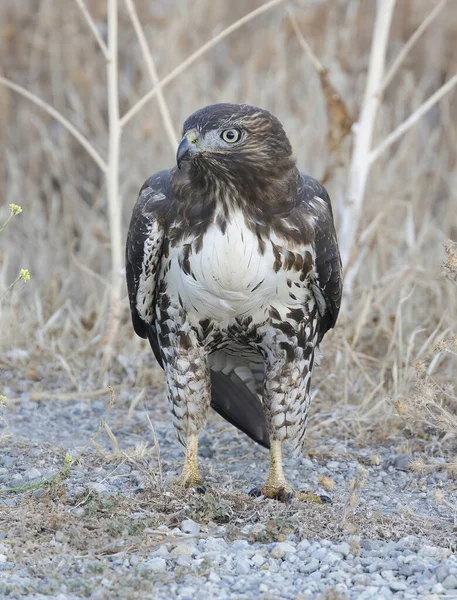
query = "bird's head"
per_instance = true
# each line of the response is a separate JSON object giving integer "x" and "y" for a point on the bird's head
{"x": 232, "y": 140}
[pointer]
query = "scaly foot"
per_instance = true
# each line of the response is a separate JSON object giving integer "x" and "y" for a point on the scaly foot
{"x": 190, "y": 477}
{"x": 286, "y": 494}
{"x": 192, "y": 481}
{"x": 276, "y": 486}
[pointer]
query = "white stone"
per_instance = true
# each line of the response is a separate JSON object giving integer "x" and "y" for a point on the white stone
{"x": 242, "y": 566}
{"x": 189, "y": 526}
{"x": 156, "y": 564}
{"x": 100, "y": 488}
{"x": 183, "y": 550}
{"x": 257, "y": 560}
{"x": 280, "y": 549}
{"x": 342, "y": 548}
{"x": 450, "y": 583}
{"x": 397, "y": 586}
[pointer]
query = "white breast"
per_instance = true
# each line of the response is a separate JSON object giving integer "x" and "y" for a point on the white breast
{"x": 229, "y": 277}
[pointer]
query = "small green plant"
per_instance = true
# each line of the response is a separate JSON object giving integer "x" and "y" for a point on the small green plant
{"x": 24, "y": 274}
{"x": 53, "y": 484}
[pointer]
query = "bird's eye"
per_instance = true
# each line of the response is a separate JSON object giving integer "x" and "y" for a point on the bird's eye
{"x": 231, "y": 135}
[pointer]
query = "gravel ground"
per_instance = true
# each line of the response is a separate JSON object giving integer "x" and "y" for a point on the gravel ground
{"x": 113, "y": 524}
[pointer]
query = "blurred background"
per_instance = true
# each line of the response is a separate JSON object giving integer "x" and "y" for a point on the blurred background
{"x": 402, "y": 314}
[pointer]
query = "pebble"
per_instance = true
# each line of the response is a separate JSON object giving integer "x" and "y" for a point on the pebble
{"x": 450, "y": 582}
{"x": 402, "y": 462}
{"x": 156, "y": 564}
{"x": 100, "y": 488}
{"x": 161, "y": 551}
{"x": 242, "y": 566}
{"x": 184, "y": 561}
{"x": 397, "y": 586}
{"x": 280, "y": 549}
{"x": 257, "y": 560}
{"x": 342, "y": 548}
{"x": 441, "y": 573}
{"x": 32, "y": 473}
{"x": 189, "y": 526}
{"x": 183, "y": 549}
{"x": 310, "y": 567}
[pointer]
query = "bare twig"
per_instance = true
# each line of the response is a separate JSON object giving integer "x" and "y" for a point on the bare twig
{"x": 157, "y": 447}
{"x": 409, "y": 44}
{"x": 355, "y": 487}
{"x": 72, "y": 130}
{"x": 304, "y": 44}
{"x": 101, "y": 426}
{"x": 93, "y": 27}
{"x": 339, "y": 122}
{"x": 196, "y": 55}
{"x": 85, "y": 268}
{"x": 67, "y": 397}
{"x": 360, "y": 166}
{"x": 112, "y": 179}
{"x": 412, "y": 119}
{"x": 170, "y": 130}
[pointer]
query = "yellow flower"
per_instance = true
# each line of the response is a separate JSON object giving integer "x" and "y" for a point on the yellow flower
{"x": 15, "y": 209}
{"x": 24, "y": 274}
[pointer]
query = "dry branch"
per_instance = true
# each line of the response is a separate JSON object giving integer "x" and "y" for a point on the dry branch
{"x": 196, "y": 55}
{"x": 412, "y": 119}
{"x": 339, "y": 121}
{"x": 165, "y": 113}
{"x": 86, "y": 14}
{"x": 65, "y": 397}
{"x": 360, "y": 166}
{"x": 112, "y": 178}
{"x": 393, "y": 69}
{"x": 72, "y": 130}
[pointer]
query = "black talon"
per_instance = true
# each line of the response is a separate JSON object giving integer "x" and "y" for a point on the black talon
{"x": 288, "y": 497}
{"x": 255, "y": 493}
{"x": 201, "y": 489}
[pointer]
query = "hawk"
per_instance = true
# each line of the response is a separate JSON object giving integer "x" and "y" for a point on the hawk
{"x": 234, "y": 277}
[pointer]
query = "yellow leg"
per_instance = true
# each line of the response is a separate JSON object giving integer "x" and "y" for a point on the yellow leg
{"x": 190, "y": 475}
{"x": 276, "y": 485}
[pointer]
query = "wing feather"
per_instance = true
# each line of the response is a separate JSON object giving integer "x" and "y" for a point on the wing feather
{"x": 143, "y": 255}
{"x": 329, "y": 285}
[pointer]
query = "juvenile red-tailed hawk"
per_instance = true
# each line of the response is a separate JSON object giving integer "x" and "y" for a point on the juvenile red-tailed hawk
{"x": 234, "y": 276}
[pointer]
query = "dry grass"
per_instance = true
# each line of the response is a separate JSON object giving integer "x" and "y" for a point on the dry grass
{"x": 402, "y": 307}
{"x": 430, "y": 402}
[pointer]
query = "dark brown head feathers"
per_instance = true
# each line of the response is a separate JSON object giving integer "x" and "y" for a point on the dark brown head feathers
{"x": 257, "y": 172}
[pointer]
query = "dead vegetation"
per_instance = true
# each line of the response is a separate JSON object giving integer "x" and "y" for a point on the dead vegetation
{"x": 433, "y": 402}
{"x": 97, "y": 525}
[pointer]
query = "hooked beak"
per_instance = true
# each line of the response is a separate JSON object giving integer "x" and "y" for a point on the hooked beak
{"x": 187, "y": 148}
